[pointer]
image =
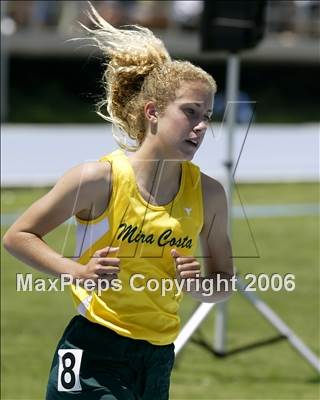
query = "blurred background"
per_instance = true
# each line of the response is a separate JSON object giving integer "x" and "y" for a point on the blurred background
{"x": 47, "y": 79}
{"x": 49, "y": 88}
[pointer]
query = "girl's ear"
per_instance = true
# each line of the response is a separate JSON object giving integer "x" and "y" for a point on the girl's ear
{"x": 150, "y": 111}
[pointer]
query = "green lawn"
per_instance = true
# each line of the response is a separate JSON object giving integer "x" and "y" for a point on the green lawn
{"x": 32, "y": 322}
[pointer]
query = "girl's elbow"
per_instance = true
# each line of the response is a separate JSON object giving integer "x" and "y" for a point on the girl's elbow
{"x": 9, "y": 240}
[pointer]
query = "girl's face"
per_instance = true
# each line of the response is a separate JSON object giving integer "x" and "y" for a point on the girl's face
{"x": 182, "y": 125}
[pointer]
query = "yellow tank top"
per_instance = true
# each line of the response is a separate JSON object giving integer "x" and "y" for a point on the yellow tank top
{"x": 145, "y": 233}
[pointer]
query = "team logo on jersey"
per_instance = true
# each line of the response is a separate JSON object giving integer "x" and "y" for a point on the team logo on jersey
{"x": 132, "y": 234}
{"x": 188, "y": 210}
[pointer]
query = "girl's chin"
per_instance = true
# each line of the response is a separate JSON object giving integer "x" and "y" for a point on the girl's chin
{"x": 188, "y": 150}
{"x": 184, "y": 151}
{"x": 185, "y": 156}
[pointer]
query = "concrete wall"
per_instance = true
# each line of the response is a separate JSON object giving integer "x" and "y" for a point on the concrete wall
{"x": 39, "y": 154}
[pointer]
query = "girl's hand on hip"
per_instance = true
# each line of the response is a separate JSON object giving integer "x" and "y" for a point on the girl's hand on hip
{"x": 186, "y": 266}
{"x": 101, "y": 266}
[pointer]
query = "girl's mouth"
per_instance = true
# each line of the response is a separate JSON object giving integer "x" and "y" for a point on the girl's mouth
{"x": 192, "y": 142}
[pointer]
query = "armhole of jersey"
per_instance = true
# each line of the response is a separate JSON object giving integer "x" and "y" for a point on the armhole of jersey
{"x": 200, "y": 194}
{"x": 111, "y": 199}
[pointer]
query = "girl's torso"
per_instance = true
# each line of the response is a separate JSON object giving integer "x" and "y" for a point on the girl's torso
{"x": 145, "y": 301}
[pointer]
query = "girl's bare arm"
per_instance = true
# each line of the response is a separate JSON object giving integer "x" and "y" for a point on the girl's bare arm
{"x": 80, "y": 190}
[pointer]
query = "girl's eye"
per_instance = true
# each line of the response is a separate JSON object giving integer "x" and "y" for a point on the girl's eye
{"x": 190, "y": 111}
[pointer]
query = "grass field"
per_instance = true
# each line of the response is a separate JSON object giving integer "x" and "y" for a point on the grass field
{"x": 32, "y": 322}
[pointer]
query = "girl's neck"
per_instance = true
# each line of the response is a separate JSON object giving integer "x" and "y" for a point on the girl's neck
{"x": 155, "y": 175}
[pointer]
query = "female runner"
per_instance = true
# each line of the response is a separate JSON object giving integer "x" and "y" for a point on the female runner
{"x": 139, "y": 218}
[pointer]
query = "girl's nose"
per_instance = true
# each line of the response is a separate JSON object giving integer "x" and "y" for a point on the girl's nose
{"x": 201, "y": 126}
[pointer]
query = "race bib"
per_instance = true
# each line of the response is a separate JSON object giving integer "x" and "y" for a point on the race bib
{"x": 69, "y": 370}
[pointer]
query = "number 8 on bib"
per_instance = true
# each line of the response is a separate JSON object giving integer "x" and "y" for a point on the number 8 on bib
{"x": 69, "y": 370}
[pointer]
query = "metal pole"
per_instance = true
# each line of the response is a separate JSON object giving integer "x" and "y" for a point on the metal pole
{"x": 232, "y": 88}
{"x": 233, "y": 70}
{"x": 277, "y": 322}
{"x": 192, "y": 325}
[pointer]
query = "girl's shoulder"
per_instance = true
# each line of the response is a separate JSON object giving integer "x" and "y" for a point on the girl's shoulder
{"x": 214, "y": 195}
{"x": 87, "y": 178}
{"x": 95, "y": 183}
{"x": 94, "y": 172}
{"x": 211, "y": 186}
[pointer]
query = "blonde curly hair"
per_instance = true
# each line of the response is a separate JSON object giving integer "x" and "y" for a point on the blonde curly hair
{"x": 138, "y": 69}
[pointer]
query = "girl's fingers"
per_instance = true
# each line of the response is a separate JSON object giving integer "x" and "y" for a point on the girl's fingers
{"x": 181, "y": 259}
{"x": 107, "y": 270}
{"x": 105, "y": 251}
{"x": 185, "y": 260}
{"x": 188, "y": 267}
{"x": 189, "y": 274}
{"x": 108, "y": 261}
{"x": 174, "y": 253}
